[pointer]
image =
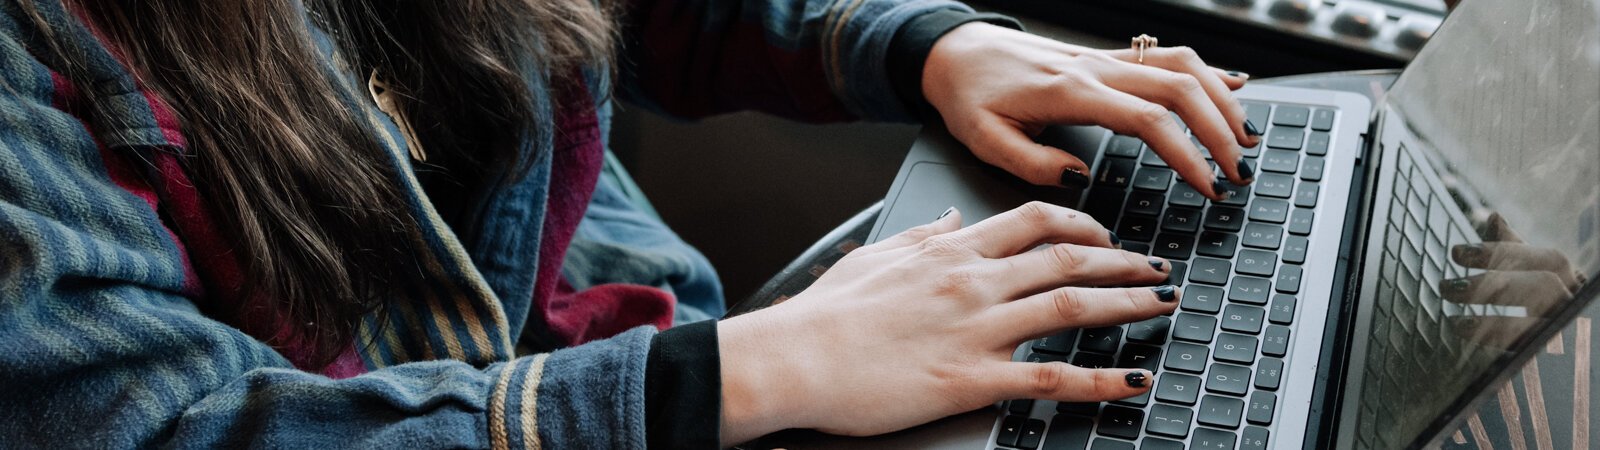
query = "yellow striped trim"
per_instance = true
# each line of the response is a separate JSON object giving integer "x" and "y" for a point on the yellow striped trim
{"x": 441, "y": 323}
{"x": 1580, "y": 384}
{"x": 1536, "y": 409}
{"x": 833, "y": 41}
{"x": 498, "y": 440}
{"x": 408, "y": 310}
{"x": 530, "y": 402}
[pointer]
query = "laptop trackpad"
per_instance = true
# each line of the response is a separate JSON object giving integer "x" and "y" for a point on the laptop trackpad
{"x": 975, "y": 190}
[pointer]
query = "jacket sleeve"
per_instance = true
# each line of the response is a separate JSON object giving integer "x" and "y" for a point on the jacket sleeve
{"x": 106, "y": 344}
{"x": 813, "y": 60}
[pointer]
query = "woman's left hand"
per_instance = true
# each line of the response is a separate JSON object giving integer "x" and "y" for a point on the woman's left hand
{"x": 995, "y": 87}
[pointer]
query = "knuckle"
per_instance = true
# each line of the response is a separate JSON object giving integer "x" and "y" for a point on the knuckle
{"x": 1037, "y": 213}
{"x": 942, "y": 246}
{"x": 1184, "y": 85}
{"x": 1046, "y": 379}
{"x": 1186, "y": 54}
{"x": 1065, "y": 259}
{"x": 960, "y": 282}
{"x": 1069, "y": 305}
{"x": 1152, "y": 116}
{"x": 1105, "y": 384}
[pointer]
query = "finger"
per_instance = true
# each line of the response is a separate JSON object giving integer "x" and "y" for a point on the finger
{"x": 948, "y": 221}
{"x": 1077, "y": 307}
{"x": 1002, "y": 143}
{"x": 1501, "y": 231}
{"x": 1064, "y": 382}
{"x": 1537, "y": 291}
{"x": 1182, "y": 84}
{"x": 1511, "y": 256}
{"x": 1076, "y": 265}
{"x": 1029, "y": 225}
{"x": 1219, "y": 85}
{"x": 1130, "y": 115}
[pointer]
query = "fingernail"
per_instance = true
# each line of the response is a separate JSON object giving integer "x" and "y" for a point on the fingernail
{"x": 946, "y": 212}
{"x": 1250, "y": 128}
{"x": 1456, "y": 286}
{"x": 1238, "y": 74}
{"x": 1166, "y": 293}
{"x": 1157, "y": 264}
{"x": 1245, "y": 172}
{"x": 1220, "y": 187}
{"x": 1075, "y": 179}
{"x": 1116, "y": 242}
{"x": 1136, "y": 378}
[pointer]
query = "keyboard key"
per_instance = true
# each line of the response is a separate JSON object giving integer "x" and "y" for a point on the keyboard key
{"x": 1300, "y": 224}
{"x": 1194, "y": 328}
{"x": 1039, "y": 357}
{"x": 1060, "y": 343}
{"x": 1150, "y": 331}
{"x": 1238, "y": 195}
{"x": 1093, "y": 360}
{"x": 1252, "y": 152}
{"x": 1135, "y": 356}
{"x": 1294, "y": 250}
{"x": 1211, "y": 439}
{"x": 1184, "y": 195}
{"x": 1221, "y": 412}
{"x": 1257, "y": 262}
{"x": 1179, "y": 268}
{"x": 1305, "y": 195}
{"x": 1010, "y": 430}
{"x": 1289, "y": 279}
{"x": 1152, "y": 179}
{"x": 1151, "y": 159}
{"x": 1217, "y": 244}
{"x": 1124, "y": 146}
{"x": 1020, "y": 406}
{"x": 1121, "y": 421}
{"x": 1261, "y": 407}
{"x": 1178, "y": 388}
{"x": 1243, "y": 319}
{"x": 1200, "y": 298}
{"x": 1270, "y": 210}
{"x": 1135, "y": 401}
{"x": 1311, "y": 168}
{"x": 1317, "y": 145}
{"x": 1210, "y": 271}
{"x": 1108, "y": 444}
{"x": 1182, "y": 220}
{"x": 1190, "y": 357}
{"x": 1279, "y": 161}
{"x": 1225, "y": 218}
{"x": 1275, "y": 185}
{"x": 1322, "y": 119}
{"x": 1103, "y": 339}
{"x": 1228, "y": 379}
{"x": 1269, "y": 373}
{"x": 1068, "y": 432}
{"x": 1276, "y": 341}
{"x": 1253, "y": 438}
{"x": 1285, "y": 138}
{"x": 1174, "y": 246}
{"x": 1090, "y": 409}
{"x": 1137, "y": 228}
{"x": 1257, "y": 113}
{"x": 1291, "y": 116}
{"x": 1146, "y": 203}
{"x": 1261, "y": 235}
{"x": 1168, "y": 420}
{"x": 1250, "y": 290}
{"x": 1236, "y": 348}
{"x": 1136, "y": 247}
{"x": 1104, "y": 204}
{"x": 1032, "y": 433}
{"x": 1282, "y": 310}
{"x": 1115, "y": 172}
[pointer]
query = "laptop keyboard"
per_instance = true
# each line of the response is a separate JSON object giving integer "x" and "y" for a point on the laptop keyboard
{"x": 1219, "y": 359}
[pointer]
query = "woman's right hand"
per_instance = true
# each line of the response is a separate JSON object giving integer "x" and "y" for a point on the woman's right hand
{"x": 923, "y": 325}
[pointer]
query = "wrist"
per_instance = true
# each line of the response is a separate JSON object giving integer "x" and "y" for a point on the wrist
{"x": 763, "y": 387}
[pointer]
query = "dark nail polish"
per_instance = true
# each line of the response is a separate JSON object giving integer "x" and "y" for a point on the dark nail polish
{"x": 1135, "y": 379}
{"x": 1116, "y": 242}
{"x": 1156, "y": 264}
{"x": 1238, "y": 74}
{"x": 1467, "y": 254}
{"x": 1220, "y": 186}
{"x": 1250, "y": 128}
{"x": 946, "y": 212}
{"x": 1245, "y": 172}
{"x": 1072, "y": 178}
{"x": 1456, "y": 286}
{"x": 1166, "y": 293}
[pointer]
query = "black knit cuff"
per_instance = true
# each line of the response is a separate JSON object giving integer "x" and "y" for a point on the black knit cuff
{"x": 683, "y": 388}
{"x": 908, "y": 53}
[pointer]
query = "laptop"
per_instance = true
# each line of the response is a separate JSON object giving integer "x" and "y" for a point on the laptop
{"x": 1325, "y": 305}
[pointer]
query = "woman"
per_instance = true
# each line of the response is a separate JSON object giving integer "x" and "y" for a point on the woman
{"x": 294, "y": 223}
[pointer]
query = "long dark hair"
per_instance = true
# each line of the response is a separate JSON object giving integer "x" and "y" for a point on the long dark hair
{"x": 297, "y": 179}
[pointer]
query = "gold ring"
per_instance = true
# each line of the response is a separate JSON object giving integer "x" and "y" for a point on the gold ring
{"x": 1143, "y": 42}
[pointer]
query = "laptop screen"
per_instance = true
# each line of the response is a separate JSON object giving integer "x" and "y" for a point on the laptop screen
{"x": 1488, "y": 226}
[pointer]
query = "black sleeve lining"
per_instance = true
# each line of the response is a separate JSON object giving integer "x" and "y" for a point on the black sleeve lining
{"x": 908, "y": 53}
{"x": 683, "y": 388}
